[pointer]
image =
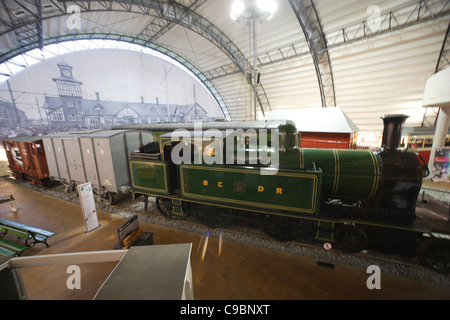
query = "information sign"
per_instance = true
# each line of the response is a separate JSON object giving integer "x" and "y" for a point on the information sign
{"x": 88, "y": 206}
{"x": 440, "y": 170}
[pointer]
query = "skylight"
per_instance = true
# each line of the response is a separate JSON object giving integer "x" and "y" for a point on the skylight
{"x": 18, "y": 63}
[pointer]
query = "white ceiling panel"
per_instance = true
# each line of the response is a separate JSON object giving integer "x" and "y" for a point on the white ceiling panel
{"x": 384, "y": 73}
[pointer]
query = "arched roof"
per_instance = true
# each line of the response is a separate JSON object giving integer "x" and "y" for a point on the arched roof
{"x": 367, "y": 57}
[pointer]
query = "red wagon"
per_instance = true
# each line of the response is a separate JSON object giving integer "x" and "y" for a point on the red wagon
{"x": 26, "y": 157}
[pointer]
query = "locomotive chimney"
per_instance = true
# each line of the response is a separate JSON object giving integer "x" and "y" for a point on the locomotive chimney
{"x": 392, "y": 132}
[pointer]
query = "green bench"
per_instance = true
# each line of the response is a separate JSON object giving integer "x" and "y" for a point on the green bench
{"x": 31, "y": 235}
{"x": 9, "y": 248}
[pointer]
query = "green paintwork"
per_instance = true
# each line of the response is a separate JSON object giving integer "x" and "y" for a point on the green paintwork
{"x": 177, "y": 208}
{"x": 150, "y": 175}
{"x": 287, "y": 190}
{"x": 25, "y": 228}
{"x": 346, "y": 173}
{"x": 13, "y": 231}
{"x": 12, "y": 246}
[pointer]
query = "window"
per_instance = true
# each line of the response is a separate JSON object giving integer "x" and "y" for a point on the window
{"x": 127, "y": 112}
{"x": 57, "y": 115}
{"x": 428, "y": 142}
{"x": 69, "y": 88}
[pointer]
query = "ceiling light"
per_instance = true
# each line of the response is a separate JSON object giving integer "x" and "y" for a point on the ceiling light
{"x": 267, "y": 6}
{"x": 237, "y": 8}
{"x": 253, "y": 9}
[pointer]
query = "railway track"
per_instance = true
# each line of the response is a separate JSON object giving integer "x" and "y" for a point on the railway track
{"x": 396, "y": 264}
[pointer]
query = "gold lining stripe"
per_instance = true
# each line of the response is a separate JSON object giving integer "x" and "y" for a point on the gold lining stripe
{"x": 256, "y": 171}
{"x": 376, "y": 179}
{"x": 302, "y": 160}
{"x": 163, "y": 164}
{"x": 336, "y": 172}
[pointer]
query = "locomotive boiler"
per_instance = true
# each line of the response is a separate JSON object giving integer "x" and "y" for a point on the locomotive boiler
{"x": 386, "y": 180}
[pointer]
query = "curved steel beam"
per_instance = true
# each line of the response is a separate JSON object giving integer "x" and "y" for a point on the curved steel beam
{"x": 401, "y": 17}
{"x": 444, "y": 55}
{"x": 309, "y": 21}
{"x": 169, "y": 11}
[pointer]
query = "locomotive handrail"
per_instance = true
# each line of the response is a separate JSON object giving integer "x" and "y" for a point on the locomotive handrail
{"x": 424, "y": 165}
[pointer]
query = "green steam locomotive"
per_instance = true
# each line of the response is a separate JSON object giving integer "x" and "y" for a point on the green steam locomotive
{"x": 354, "y": 199}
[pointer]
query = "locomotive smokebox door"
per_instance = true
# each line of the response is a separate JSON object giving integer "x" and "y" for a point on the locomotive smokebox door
{"x": 401, "y": 171}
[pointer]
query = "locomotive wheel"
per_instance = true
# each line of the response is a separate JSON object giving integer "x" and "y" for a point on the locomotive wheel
{"x": 435, "y": 253}
{"x": 46, "y": 182}
{"x": 282, "y": 228}
{"x": 108, "y": 198}
{"x": 350, "y": 238}
{"x": 213, "y": 217}
{"x": 164, "y": 207}
{"x": 68, "y": 188}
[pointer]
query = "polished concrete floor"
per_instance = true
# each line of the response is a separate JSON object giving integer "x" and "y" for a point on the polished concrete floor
{"x": 237, "y": 272}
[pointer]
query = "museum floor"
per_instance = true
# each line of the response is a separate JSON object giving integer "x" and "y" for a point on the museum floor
{"x": 239, "y": 272}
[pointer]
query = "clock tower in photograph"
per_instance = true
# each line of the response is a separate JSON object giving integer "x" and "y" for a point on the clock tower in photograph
{"x": 67, "y": 86}
{"x": 66, "y": 110}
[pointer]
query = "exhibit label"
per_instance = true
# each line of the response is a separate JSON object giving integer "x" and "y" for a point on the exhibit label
{"x": 88, "y": 206}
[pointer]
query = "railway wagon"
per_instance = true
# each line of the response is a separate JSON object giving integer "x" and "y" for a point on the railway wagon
{"x": 100, "y": 157}
{"x": 26, "y": 158}
{"x": 351, "y": 198}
